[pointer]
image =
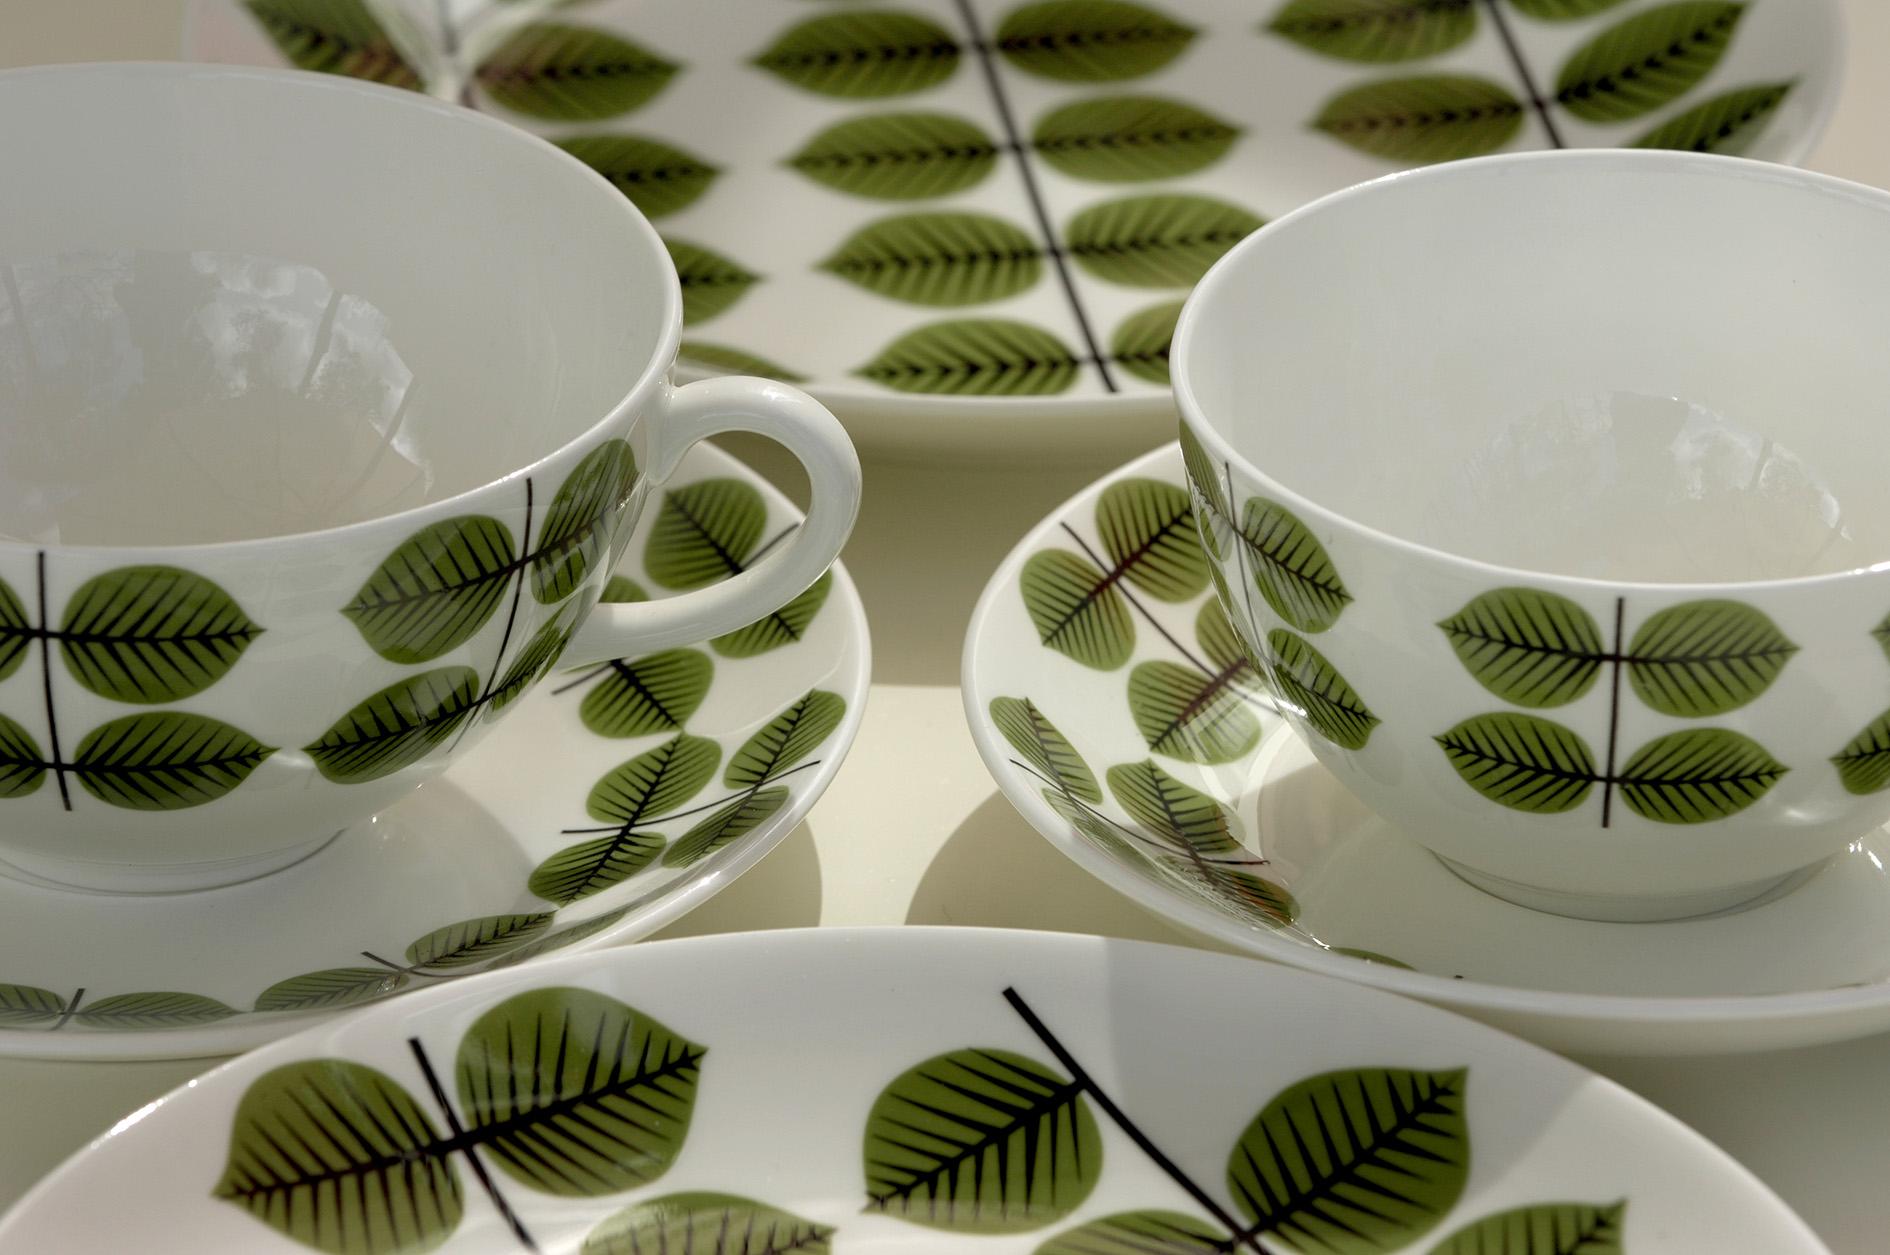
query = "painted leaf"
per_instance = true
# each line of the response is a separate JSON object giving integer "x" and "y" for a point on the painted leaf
{"x": 1184, "y": 714}
{"x": 623, "y": 589}
{"x": 1376, "y": 30}
{"x": 785, "y": 626}
{"x": 16, "y": 632}
{"x": 592, "y": 866}
{"x": 1705, "y": 657}
{"x": 558, "y": 939}
{"x": 1139, "y": 1233}
{"x": 725, "y": 826}
{"x": 1215, "y": 517}
{"x": 655, "y": 782}
{"x": 475, "y": 940}
{"x": 1222, "y": 644}
{"x": 1188, "y": 820}
{"x": 398, "y": 726}
{"x": 1544, "y": 1229}
{"x": 975, "y": 357}
{"x": 899, "y": 156}
{"x": 152, "y": 634}
{"x": 1131, "y": 139}
{"x": 706, "y": 1224}
{"x": 704, "y": 533}
{"x": 434, "y": 592}
{"x": 942, "y": 259}
{"x": 1356, "y": 1161}
{"x": 1106, "y": 834}
{"x": 1147, "y": 529}
{"x": 165, "y": 760}
{"x": 152, "y": 1010}
{"x": 1728, "y": 123}
{"x": 1090, "y": 41}
{"x": 785, "y": 739}
{"x": 22, "y": 1006}
{"x": 1043, "y": 747}
{"x": 710, "y": 282}
{"x": 1078, "y": 610}
{"x": 1521, "y": 761}
{"x": 1561, "y": 10}
{"x": 1313, "y": 687}
{"x": 1431, "y": 117}
{"x": 540, "y": 655}
{"x": 863, "y": 55}
{"x": 337, "y": 1156}
{"x": 1167, "y": 240}
{"x": 1641, "y": 63}
{"x": 658, "y": 178}
{"x": 22, "y": 765}
{"x": 1253, "y": 899}
{"x": 335, "y": 987}
{"x": 1698, "y": 775}
{"x": 655, "y": 693}
{"x": 722, "y": 359}
{"x": 1290, "y": 567}
{"x": 981, "y": 1141}
{"x": 1529, "y": 647}
{"x": 575, "y": 1094}
{"x": 1864, "y": 764}
{"x": 582, "y": 516}
{"x": 567, "y": 73}
{"x": 333, "y": 37}
{"x": 1141, "y": 342}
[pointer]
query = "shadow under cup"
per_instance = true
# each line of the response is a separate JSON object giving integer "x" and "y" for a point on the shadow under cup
{"x": 1546, "y": 490}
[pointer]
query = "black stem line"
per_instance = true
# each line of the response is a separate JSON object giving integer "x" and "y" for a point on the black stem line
{"x": 1141, "y": 609}
{"x": 511, "y": 619}
{"x": 1536, "y": 100}
{"x": 1128, "y": 1126}
{"x": 737, "y": 796}
{"x": 45, "y": 671}
{"x": 1614, "y": 713}
{"x": 586, "y": 678}
{"x": 459, "y": 1141}
{"x": 69, "y": 1010}
{"x": 1014, "y": 138}
{"x": 1239, "y": 541}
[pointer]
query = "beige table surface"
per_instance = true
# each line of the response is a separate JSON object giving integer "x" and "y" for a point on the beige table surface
{"x": 914, "y": 831}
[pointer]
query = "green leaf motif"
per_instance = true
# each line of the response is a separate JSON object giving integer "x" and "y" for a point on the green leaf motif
{"x": 165, "y": 760}
{"x": 725, "y": 827}
{"x": 1290, "y": 567}
{"x": 589, "y": 867}
{"x": 721, "y": 359}
{"x": 975, "y": 357}
{"x": 1697, "y": 776}
{"x": 706, "y": 1224}
{"x": 434, "y": 592}
{"x": 1077, "y": 610}
{"x": 655, "y": 782}
{"x": 1522, "y": 761}
{"x": 1090, "y": 41}
{"x": 398, "y": 726}
{"x": 1382, "y": 31}
{"x": 659, "y": 178}
{"x": 22, "y": 766}
{"x": 1529, "y": 647}
{"x": 333, "y": 988}
{"x": 1131, "y": 139}
{"x": 1641, "y": 63}
{"x": 1142, "y": 341}
{"x": 333, "y": 37}
{"x": 151, "y": 634}
{"x": 655, "y": 693}
{"x": 1313, "y": 687}
{"x": 567, "y": 73}
{"x": 1354, "y": 1162}
{"x": 1561, "y": 10}
{"x": 940, "y": 259}
{"x": 899, "y": 156}
{"x": 1215, "y": 515}
{"x": 1728, "y": 123}
{"x": 785, "y": 626}
{"x": 621, "y": 588}
{"x": 22, "y": 1006}
{"x": 1221, "y": 643}
{"x": 575, "y": 1094}
{"x": 16, "y": 632}
{"x": 863, "y": 55}
{"x": 152, "y": 1010}
{"x": 475, "y": 940}
{"x": 337, "y": 1156}
{"x": 558, "y": 939}
{"x": 981, "y": 1141}
{"x": 540, "y": 655}
{"x": 704, "y": 533}
{"x": 1432, "y": 117}
{"x": 582, "y": 516}
{"x": 1184, "y": 714}
{"x": 1544, "y": 1229}
{"x": 1705, "y": 657}
{"x": 1167, "y": 240}
{"x": 1147, "y": 529}
{"x": 1863, "y": 765}
{"x": 710, "y": 282}
{"x": 1139, "y": 1233}
{"x": 785, "y": 739}
{"x": 1186, "y": 819}
{"x": 1043, "y": 747}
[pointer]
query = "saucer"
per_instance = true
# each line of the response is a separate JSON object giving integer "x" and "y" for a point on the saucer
{"x": 970, "y": 223}
{"x": 1165, "y": 772}
{"x": 942, "y": 1089}
{"x": 521, "y": 848}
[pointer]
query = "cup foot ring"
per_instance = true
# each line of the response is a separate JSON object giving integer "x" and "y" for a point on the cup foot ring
{"x": 1635, "y": 909}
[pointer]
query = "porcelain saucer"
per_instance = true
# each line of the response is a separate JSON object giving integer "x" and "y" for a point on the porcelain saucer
{"x": 614, "y": 800}
{"x": 1170, "y": 777}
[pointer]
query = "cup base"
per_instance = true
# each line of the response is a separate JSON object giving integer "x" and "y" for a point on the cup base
{"x": 106, "y": 878}
{"x": 1635, "y": 909}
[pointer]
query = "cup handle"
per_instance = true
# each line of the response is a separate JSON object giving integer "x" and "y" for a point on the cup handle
{"x": 790, "y": 418}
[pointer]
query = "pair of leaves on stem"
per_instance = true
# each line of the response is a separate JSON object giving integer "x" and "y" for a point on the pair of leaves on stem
{"x": 28, "y": 1006}
{"x": 976, "y": 357}
{"x": 1863, "y": 764}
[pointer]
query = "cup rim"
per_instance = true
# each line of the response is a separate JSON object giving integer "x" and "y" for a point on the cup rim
{"x": 1223, "y": 275}
{"x": 653, "y": 373}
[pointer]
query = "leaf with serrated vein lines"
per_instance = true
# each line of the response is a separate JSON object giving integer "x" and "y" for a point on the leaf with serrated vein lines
{"x": 571, "y": 73}
{"x": 706, "y": 1224}
{"x": 398, "y": 726}
{"x": 655, "y": 693}
{"x": 152, "y": 634}
{"x": 727, "y": 825}
{"x": 1698, "y": 775}
{"x": 558, "y": 939}
{"x": 704, "y": 533}
{"x": 1186, "y": 819}
{"x": 580, "y": 520}
{"x": 975, "y": 357}
{"x": 1187, "y": 715}
{"x": 899, "y": 156}
{"x": 1090, "y": 41}
{"x": 1142, "y": 341}
{"x": 1529, "y": 647}
{"x": 1641, "y": 63}
{"x": 785, "y": 739}
{"x": 942, "y": 259}
{"x": 1077, "y": 610}
{"x": 1290, "y": 567}
{"x": 22, "y": 765}
{"x": 1705, "y": 657}
{"x": 1728, "y": 123}
{"x": 863, "y": 55}
{"x": 152, "y": 1010}
{"x": 1381, "y": 31}
{"x": 540, "y": 655}
{"x": 474, "y": 940}
{"x": 658, "y": 178}
{"x": 1313, "y": 686}
{"x": 655, "y": 782}
{"x": 333, "y": 37}
{"x": 1561, "y": 10}
{"x": 1864, "y": 764}
{"x": 1043, "y": 747}
{"x": 16, "y": 633}
{"x": 1214, "y": 516}
{"x": 1167, "y": 240}
{"x": 1522, "y": 761}
{"x": 1432, "y": 117}
{"x": 335, "y": 987}
{"x": 721, "y": 359}
{"x": 1147, "y": 529}
{"x": 1544, "y": 1229}
{"x": 434, "y": 592}
{"x": 710, "y": 282}
{"x": 785, "y": 626}
{"x": 1131, "y": 139}
{"x": 1221, "y": 643}
{"x": 1147, "y": 1232}
{"x": 578, "y": 871}
{"x": 165, "y": 760}
{"x": 24, "y": 1005}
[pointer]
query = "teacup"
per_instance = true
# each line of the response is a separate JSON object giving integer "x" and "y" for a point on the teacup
{"x": 325, "y": 409}
{"x": 1547, "y": 493}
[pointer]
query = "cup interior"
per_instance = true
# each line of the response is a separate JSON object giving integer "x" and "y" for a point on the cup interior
{"x": 1617, "y": 365}
{"x": 237, "y": 304}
